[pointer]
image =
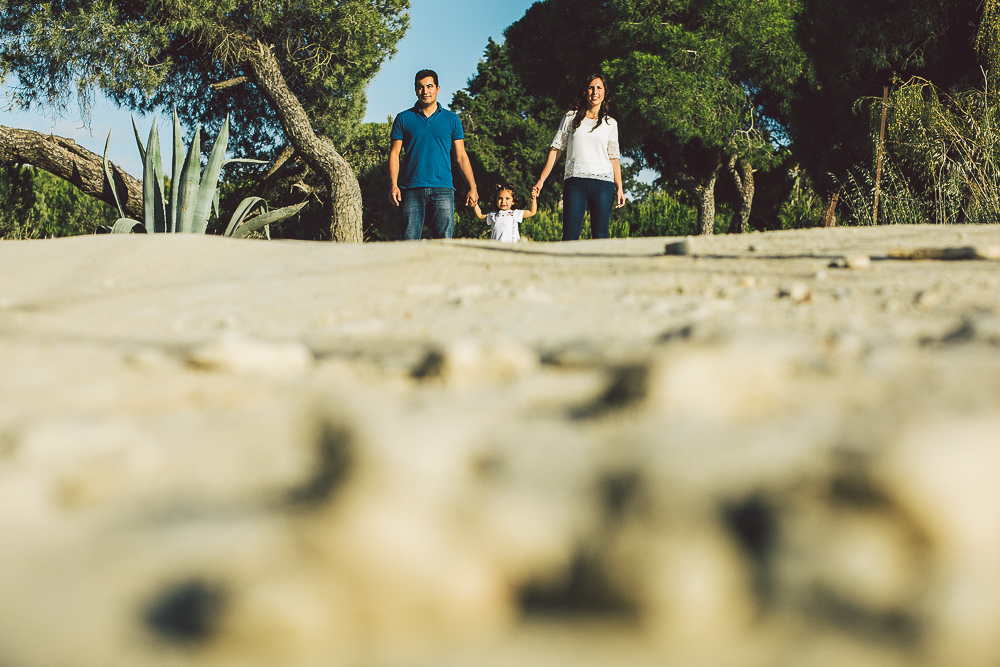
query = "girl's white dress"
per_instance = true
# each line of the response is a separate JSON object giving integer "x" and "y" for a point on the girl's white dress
{"x": 503, "y": 225}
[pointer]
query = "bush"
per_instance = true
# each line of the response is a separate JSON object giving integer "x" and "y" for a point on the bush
{"x": 35, "y": 204}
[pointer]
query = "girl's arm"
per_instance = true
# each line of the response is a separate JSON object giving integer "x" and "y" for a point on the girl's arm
{"x": 534, "y": 206}
{"x": 617, "y": 167}
{"x": 554, "y": 155}
{"x": 479, "y": 213}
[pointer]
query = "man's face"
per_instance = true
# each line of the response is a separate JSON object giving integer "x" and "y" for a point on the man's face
{"x": 427, "y": 92}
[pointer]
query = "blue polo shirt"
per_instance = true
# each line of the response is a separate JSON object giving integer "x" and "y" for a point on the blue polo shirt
{"x": 426, "y": 161}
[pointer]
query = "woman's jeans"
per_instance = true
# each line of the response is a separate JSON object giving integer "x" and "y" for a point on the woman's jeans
{"x": 581, "y": 194}
{"x": 435, "y": 206}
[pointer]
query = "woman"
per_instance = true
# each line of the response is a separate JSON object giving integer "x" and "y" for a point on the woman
{"x": 593, "y": 178}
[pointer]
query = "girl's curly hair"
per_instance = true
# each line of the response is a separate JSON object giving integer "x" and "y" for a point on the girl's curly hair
{"x": 582, "y": 103}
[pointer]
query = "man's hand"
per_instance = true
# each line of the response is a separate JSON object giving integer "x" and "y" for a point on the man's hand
{"x": 473, "y": 198}
{"x": 396, "y": 195}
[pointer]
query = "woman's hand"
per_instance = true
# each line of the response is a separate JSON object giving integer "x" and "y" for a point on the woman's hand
{"x": 621, "y": 198}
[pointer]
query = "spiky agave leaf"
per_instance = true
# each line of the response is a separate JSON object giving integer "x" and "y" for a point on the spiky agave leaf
{"x": 241, "y": 212}
{"x": 126, "y": 225}
{"x": 188, "y": 185}
{"x": 210, "y": 179}
{"x": 110, "y": 177}
{"x": 177, "y": 164}
{"x": 271, "y": 217}
{"x": 152, "y": 187}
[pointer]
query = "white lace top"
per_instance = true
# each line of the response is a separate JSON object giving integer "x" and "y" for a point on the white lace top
{"x": 503, "y": 225}
{"x": 588, "y": 154}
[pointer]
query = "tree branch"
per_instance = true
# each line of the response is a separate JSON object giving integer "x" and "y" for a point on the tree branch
{"x": 222, "y": 85}
{"x": 66, "y": 159}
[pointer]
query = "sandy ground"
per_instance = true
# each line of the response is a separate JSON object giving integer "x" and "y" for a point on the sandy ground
{"x": 773, "y": 449}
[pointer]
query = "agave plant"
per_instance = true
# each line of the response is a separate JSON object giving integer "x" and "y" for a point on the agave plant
{"x": 193, "y": 192}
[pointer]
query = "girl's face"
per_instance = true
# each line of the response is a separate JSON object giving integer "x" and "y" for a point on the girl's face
{"x": 505, "y": 199}
{"x": 595, "y": 93}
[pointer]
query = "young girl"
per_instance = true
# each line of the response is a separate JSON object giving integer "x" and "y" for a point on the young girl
{"x": 504, "y": 222}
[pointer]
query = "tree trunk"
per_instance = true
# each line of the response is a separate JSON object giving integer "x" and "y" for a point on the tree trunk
{"x": 704, "y": 201}
{"x": 69, "y": 161}
{"x": 343, "y": 203}
{"x": 743, "y": 180}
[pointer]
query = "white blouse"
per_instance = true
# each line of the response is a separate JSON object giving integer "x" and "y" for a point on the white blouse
{"x": 588, "y": 154}
{"x": 503, "y": 225}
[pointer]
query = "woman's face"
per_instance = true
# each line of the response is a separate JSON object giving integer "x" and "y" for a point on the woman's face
{"x": 595, "y": 93}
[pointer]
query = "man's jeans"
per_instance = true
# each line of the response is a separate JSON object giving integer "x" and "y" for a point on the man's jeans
{"x": 435, "y": 206}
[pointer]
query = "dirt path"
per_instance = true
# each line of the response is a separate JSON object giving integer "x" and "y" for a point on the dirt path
{"x": 772, "y": 449}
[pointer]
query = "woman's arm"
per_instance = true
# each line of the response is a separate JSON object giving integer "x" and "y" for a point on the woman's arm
{"x": 617, "y": 167}
{"x": 554, "y": 155}
{"x": 534, "y": 206}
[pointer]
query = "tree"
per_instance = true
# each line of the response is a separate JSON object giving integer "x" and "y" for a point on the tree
{"x": 854, "y": 48}
{"x": 698, "y": 84}
{"x": 35, "y": 204}
{"x": 507, "y": 130}
{"x": 282, "y": 70}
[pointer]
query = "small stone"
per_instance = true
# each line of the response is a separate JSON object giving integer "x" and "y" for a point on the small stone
{"x": 235, "y": 352}
{"x": 798, "y": 293}
{"x": 837, "y": 263}
{"x": 857, "y": 261}
{"x": 678, "y": 248}
{"x": 749, "y": 281}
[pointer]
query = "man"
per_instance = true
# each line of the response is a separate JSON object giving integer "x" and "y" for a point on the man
{"x": 423, "y": 182}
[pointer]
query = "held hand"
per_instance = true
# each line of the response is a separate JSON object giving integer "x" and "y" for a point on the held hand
{"x": 537, "y": 189}
{"x": 621, "y": 198}
{"x": 396, "y": 196}
{"x": 472, "y": 199}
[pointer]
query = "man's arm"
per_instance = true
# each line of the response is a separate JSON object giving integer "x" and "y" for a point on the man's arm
{"x": 394, "y": 149}
{"x": 463, "y": 163}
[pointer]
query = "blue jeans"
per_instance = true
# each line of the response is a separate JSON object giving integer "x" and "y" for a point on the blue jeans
{"x": 581, "y": 194}
{"x": 435, "y": 206}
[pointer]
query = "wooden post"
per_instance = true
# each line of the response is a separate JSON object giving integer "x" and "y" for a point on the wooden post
{"x": 881, "y": 149}
{"x": 831, "y": 221}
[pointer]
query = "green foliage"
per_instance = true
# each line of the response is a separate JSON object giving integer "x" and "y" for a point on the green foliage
{"x": 802, "y": 207}
{"x": 692, "y": 82}
{"x": 659, "y": 213}
{"x": 942, "y": 157}
{"x": 193, "y": 193}
{"x": 507, "y": 131}
{"x": 367, "y": 154}
{"x": 854, "y": 48}
{"x": 150, "y": 54}
{"x": 36, "y": 204}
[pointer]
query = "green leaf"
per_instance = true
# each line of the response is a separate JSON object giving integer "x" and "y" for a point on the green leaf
{"x": 150, "y": 188}
{"x": 256, "y": 222}
{"x": 111, "y": 180}
{"x": 241, "y": 213}
{"x": 175, "y": 174}
{"x": 210, "y": 179}
{"x": 188, "y": 185}
{"x": 126, "y": 225}
{"x": 138, "y": 141}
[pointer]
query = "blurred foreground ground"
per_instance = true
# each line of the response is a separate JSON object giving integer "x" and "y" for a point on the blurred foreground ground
{"x": 222, "y": 452}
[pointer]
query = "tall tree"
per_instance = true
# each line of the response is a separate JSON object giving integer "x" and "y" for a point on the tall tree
{"x": 854, "y": 48}
{"x": 507, "y": 130}
{"x": 283, "y": 70}
{"x": 698, "y": 84}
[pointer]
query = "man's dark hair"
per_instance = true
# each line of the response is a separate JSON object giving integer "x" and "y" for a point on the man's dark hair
{"x": 423, "y": 74}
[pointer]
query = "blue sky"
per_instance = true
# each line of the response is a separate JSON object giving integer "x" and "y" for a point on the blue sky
{"x": 448, "y": 36}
